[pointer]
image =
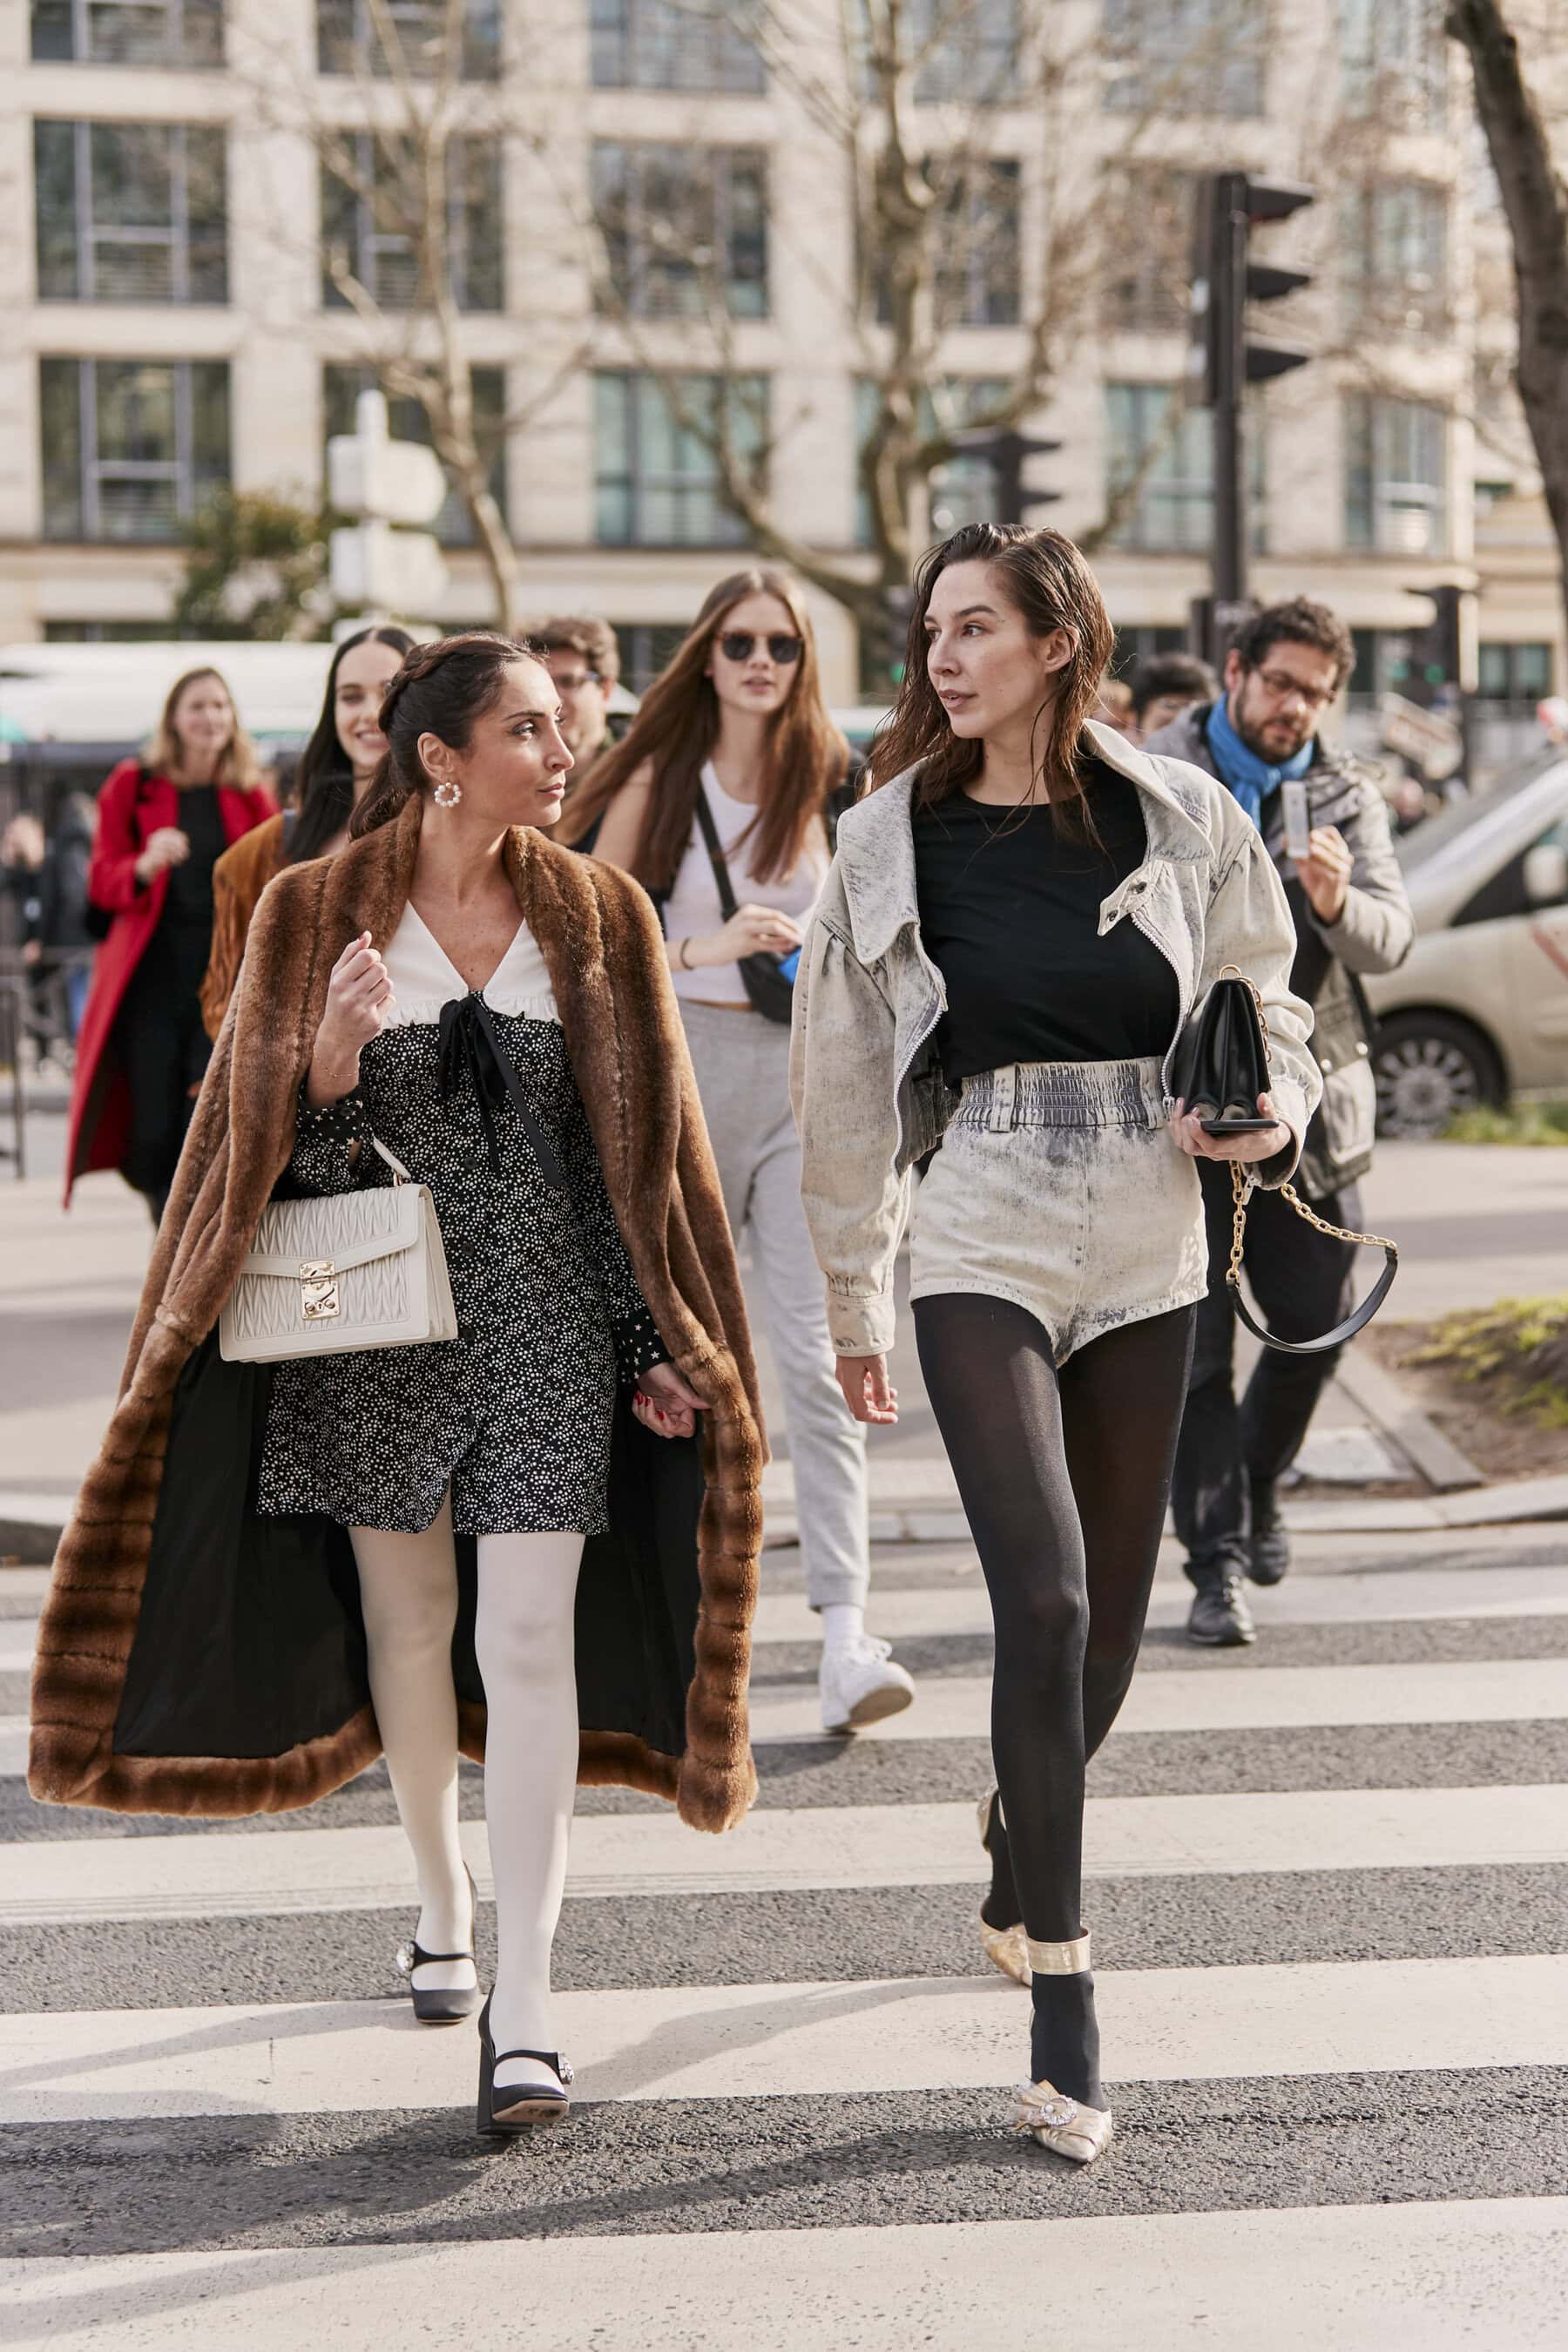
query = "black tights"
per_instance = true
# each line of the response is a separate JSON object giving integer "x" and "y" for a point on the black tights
{"x": 1064, "y": 1476}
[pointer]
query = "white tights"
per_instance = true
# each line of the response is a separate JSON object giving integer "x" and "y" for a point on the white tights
{"x": 524, "y": 1639}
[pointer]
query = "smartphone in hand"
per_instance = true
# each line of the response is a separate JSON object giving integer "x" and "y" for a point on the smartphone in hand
{"x": 1298, "y": 822}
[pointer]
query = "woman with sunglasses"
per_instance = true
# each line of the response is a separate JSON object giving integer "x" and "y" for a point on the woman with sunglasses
{"x": 738, "y": 722}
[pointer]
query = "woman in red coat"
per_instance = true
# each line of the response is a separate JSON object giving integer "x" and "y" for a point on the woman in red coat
{"x": 161, "y": 826}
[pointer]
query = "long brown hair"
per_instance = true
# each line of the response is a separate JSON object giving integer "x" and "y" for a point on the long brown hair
{"x": 804, "y": 755}
{"x": 442, "y": 687}
{"x": 1046, "y": 579}
{"x": 237, "y": 763}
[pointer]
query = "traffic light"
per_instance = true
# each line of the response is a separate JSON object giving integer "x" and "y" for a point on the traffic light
{"x": 1436, "y": 655}
{"x": 1224, "y": 358}
{"x": 1006, "y": 450}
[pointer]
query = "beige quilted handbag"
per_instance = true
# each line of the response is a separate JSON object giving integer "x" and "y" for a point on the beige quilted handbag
{"x": 356, "y": 1270}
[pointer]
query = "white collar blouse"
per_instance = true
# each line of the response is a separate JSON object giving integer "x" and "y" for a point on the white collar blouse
{"x": 424, "y": 977}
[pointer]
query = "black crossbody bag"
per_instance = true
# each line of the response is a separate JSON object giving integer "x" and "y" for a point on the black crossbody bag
{"x": 1221, "y": 1067}
{"x": 767, "y": 981}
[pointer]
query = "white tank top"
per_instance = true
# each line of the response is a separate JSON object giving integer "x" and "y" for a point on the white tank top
{"x": 692, "y": 909}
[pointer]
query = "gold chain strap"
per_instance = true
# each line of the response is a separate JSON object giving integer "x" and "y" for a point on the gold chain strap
{"x": 1243, "y": 1186}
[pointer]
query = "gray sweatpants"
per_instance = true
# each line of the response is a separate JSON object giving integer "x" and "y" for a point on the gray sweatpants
{"x": 742, "y": 1076}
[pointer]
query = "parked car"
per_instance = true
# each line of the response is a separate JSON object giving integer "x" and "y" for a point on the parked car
{"x": 1479, "y": 1010}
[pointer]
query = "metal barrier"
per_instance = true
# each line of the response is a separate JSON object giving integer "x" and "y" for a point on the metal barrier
{"x": 13, "y": 1061}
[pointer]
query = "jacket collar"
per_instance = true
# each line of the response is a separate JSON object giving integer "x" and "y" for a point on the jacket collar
{"x": 1333, "y": 771}
{"x": 877, "y": 852}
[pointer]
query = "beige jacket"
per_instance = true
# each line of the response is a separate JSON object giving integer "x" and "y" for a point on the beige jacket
{"x": 870, "y": 1099}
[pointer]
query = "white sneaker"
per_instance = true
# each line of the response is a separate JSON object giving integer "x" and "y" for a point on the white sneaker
{"x": 859, "y": 1684}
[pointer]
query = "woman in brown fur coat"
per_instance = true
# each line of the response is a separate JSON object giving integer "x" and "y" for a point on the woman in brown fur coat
{"x": 560, "y": 1508}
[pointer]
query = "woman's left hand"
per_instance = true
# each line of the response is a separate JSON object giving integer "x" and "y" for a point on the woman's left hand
{"x": 1263, "y": 1144}
{"x": 666, "y": 1404}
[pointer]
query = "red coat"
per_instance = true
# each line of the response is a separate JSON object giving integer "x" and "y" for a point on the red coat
{"x": 131, "y": 808}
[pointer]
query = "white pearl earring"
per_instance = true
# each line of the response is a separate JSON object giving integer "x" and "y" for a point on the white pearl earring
{"x": 447, "y": 793}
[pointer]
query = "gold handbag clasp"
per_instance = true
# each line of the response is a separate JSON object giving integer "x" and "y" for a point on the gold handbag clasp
{"x": 318, "y": 1290}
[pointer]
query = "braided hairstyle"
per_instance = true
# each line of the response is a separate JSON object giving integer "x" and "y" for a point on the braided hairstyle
{"x": 441, "y": 690}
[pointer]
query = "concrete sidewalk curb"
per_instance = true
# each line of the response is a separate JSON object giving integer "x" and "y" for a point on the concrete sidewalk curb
{"x": 1386, "y": 1404}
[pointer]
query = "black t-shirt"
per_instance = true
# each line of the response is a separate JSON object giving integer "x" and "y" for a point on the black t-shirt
{"x": 1009, "y": 908}
{"x": 189, "y": 903}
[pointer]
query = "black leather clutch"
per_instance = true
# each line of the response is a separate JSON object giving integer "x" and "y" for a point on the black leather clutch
{"x": 1222, "y": 1061}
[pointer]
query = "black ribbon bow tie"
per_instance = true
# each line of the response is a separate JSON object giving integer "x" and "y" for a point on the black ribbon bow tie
{"x": 469, "y": 1043}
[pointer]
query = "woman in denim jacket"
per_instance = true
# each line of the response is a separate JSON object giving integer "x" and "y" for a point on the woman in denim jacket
{"x": 1021, "y": 918}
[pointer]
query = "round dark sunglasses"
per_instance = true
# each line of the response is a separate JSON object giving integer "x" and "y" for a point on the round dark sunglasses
{"x": 736, "y": 646}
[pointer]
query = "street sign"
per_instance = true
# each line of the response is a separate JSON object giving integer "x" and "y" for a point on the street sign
{"x": 374, "y": 566}
{"x": 368, "y": 473}
{"x": 376, "y": 569}
{"x": 1434, "y": 744}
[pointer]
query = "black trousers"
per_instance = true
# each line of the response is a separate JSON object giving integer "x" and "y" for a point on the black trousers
{"x": 165, "y": 1050}
{"x": 1302, "y": 1283}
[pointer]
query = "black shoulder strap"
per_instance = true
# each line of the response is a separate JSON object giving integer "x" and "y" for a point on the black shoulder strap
{"x": 715, "y": 853}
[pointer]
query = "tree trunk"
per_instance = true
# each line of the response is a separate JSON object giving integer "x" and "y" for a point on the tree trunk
{"x": 1537, "y": 209}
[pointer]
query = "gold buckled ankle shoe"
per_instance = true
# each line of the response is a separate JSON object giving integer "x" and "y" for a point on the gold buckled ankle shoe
{"x": 1065, "y": 2126}
{"x": 1005, "y": 1947}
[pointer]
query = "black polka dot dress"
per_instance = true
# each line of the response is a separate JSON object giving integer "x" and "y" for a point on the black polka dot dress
{"x": 515, "y": 1413}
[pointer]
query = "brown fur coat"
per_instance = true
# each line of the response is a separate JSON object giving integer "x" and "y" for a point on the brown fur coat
{"x": 602, "y": 944}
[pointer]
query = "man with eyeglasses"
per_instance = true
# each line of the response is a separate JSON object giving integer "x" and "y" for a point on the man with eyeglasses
{"x": 1351, "y": 917}
{"x": 584, "y": 661}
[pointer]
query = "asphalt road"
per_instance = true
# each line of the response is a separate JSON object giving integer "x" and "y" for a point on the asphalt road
{"x": 1333, "y": 1967}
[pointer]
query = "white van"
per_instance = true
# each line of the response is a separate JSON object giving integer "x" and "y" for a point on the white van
{"x": 1479, "y": 1010}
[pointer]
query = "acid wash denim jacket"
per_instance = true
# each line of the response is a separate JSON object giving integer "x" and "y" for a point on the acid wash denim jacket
{"x": 869, "y": 1094}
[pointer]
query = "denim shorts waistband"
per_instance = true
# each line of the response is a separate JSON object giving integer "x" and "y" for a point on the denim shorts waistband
{"x": 1065, "y": 1094}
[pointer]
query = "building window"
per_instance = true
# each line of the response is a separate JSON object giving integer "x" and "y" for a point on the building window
{"x": 1146, "y": 290}
{"x": 1516, "y": 673}
{"x": 656, "y": 471}
{"x": 348, "y": 40}
{"x": 966, "y": 55}
{"x": 370, "y": 226}
{"x": 966, "y": 489}
{"x": 1155, "y": 438}
{"x": 1395, "y": 476}
{"x": 130, "y": 212}
{"x": 131, "y": 447}
{"x": 128, "y": 32}
{"x": 684, "y": 228}
{"x": 1393, "y": 244}
{"x": 1185, "y": 56}
{"x": 1394, "y": 63}
{"x": 978, "y": 269}
{"x": 647, "y": 648}
{"x": 672, "y": 45}
{"x": 408, "y": 421}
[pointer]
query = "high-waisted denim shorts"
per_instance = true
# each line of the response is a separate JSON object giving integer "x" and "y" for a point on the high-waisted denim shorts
{"x": 1058, "y": 1186}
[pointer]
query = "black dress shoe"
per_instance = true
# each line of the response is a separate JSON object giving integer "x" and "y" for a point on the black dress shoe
{"x": 441, "y": 2006}
{"x": 517, "y": 2106}
{"x": 1219, "y": 1618}
{"x": 1268, "y": 1546}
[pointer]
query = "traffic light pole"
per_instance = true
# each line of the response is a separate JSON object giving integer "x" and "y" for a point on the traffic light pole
{"x": 1227, "y": 293}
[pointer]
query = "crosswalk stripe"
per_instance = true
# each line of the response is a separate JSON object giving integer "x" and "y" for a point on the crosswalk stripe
{"x": 962, "y": 1609}
{"x": 171, "y": 1876}
{"x": 1353, "y": 1596}
{"x": 1430, "y": 2277}
{"x": 759, "y": 2041}
{"x": 1497, "y": 1691}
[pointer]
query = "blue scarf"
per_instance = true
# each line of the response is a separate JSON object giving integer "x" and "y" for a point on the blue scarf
{"x": 1249, "y": 779}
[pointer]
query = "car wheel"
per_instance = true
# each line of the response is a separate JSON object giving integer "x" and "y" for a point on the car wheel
{"x": 1429, "y": 1069}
